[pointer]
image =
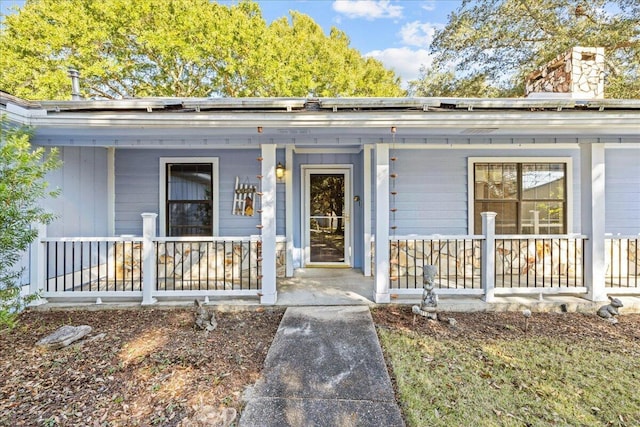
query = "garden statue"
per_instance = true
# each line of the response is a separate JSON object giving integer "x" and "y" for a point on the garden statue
{"x": 429, "y": 298}
{"x": 204, "y": 319}
{"x": 610, "y": 311}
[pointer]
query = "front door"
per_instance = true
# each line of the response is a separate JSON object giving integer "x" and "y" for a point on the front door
{"x": 327, "y": 216}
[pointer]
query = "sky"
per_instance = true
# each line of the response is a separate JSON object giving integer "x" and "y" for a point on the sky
{"x": 396, "y": 32}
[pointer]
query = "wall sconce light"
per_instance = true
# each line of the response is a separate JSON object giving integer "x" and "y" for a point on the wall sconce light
{"x": 280, "y": 172}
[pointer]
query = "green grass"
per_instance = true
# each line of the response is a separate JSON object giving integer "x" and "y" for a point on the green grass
{"x": 518, "y": 382}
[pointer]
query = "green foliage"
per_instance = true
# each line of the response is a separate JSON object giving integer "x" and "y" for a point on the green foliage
{"x": 503, "y": 41}
{"x": 22, "y": 187}
{"x": 186, "y": 48}
{"x": 445, "y": 84}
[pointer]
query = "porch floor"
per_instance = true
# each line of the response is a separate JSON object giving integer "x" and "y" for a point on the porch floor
{"x": 325, "y": 286}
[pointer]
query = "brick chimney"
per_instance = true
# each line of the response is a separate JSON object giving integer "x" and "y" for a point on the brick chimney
{"x": 577, "y": 74}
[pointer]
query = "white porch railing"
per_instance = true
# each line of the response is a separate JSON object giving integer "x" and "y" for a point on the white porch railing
{"x": 200, "y": 266}
{"x": 95, "y": 267}
{"x": 116, "y": 267}
{"x": 623, "y": 264}
{"x": 522, "y": 264}
{"x": 112, "y": 267}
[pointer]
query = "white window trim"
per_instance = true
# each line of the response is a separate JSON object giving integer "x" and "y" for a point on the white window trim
{"x": 471, "y": 188}
{"x": 163, "y": 189}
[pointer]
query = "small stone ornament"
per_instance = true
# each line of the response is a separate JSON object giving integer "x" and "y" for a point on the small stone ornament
{"x": 610, "y": 311}
{"x": 64, "y": 336}
{"x": 204, "y": 319}
{"x": 429, "y": 303}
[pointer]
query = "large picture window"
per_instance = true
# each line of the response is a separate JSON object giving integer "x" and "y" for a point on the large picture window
{"x": 188, "y": 189}
{"x": 529, "y": 198}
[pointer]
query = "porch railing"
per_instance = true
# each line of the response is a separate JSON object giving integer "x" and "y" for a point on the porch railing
{"x": 114, "y": 266}
{"x": 537, "y": 261}
{"x": 92, "y": 264}
{"x": 218, "y": 264}
{"x": 521, "y": 263}
{"x": 457, "y": 259}
{"x": 622, "y": 264}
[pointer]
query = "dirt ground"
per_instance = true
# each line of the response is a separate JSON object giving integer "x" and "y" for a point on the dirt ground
{"x": 505, "y": 325}
{"x": 153, "y": 368}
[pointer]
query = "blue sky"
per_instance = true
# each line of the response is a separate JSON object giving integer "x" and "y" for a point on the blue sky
{"x": 396, "y": 32}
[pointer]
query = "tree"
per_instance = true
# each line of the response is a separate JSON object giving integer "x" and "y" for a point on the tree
{"x": 438, "y": 84}
{"x": 503, "y": 41}
{"x": 180, "y": 48}
{"x": 22, "y": 188}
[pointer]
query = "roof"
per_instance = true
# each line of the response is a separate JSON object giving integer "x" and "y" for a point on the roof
{"x": 558, "y": 103}
{"x": 233, "y": 122}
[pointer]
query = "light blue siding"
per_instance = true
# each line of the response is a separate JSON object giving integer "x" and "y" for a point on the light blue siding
{"x": 82, "y": 205}
{"x": 137, "y": 187}
{"x": 432, "y": 187}
{"x": 622, "y": 191}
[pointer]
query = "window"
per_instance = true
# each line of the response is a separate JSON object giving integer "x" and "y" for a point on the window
{"x": 189, "y": 193}
{"x": 529, "y": 198}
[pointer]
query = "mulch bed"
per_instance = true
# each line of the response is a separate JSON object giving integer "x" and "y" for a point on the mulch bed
{"x": 511, "y": 325}
{"x": 150, "y": 368}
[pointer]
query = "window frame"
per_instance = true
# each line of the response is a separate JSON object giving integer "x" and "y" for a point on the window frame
{"x": 471, "y": 199}
{"x": 215, "y": 176}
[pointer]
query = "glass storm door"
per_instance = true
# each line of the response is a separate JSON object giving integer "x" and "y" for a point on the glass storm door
{"x": 327, "y": 217}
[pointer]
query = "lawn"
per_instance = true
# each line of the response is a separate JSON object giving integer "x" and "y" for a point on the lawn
{"x": 566, "y": 369}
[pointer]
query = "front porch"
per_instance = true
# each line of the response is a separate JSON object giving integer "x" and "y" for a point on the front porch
{"x": 487, "y": 267}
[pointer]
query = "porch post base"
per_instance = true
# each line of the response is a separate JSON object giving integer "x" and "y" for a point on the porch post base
{"x": 489, "y": 296}
{"x": 150, "y": 301}
{"x": 382, "y": 298}
{"x": 269, "y": 299}
{"x": 597, "y": 296}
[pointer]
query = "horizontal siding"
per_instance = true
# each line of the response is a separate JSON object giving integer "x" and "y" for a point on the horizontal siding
{"x": 137, "y": 188}
{"x": 432, "y": 187}
{"x": 622, "y": 191}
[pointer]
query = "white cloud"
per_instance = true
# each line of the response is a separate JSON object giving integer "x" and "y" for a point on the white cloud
{"x": 405, "y": 61}
{"x": 418, "y": 33}
{"x": 429, "y": 5}
{"x": 368, "y": 9}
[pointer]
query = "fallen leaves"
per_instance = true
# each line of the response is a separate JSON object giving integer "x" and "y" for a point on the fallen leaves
{"x": 139, "y": 367}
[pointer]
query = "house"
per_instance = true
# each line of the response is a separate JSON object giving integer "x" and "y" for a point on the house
{"x": 208, "y": 197}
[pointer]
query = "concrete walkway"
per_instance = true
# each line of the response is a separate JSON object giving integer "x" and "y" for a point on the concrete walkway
{"x": 324, "y": 368}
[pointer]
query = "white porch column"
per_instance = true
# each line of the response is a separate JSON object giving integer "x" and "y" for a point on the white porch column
{"x": 37, "y": 266}
{"x": 489, "y": 255}
{"x": 366, "y": 196}
{"x": 288, "y": 182}
{"x": 148, "y": 258}
{"x": 592, "y": 185}
{"x": 111, "y": 191}
{"x": 269, "y": 291}
{"x": 382, "y": 224}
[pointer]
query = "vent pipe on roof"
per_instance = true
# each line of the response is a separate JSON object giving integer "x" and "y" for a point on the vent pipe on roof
{"x": 75, "y": 84}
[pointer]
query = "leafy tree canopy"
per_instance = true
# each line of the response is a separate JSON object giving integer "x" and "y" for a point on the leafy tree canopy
{"x": 126, "y": 48}
{"x": 500, "y": 42}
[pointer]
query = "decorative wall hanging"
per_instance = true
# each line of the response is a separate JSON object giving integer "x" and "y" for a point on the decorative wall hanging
{"x": 244, "y": 197}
